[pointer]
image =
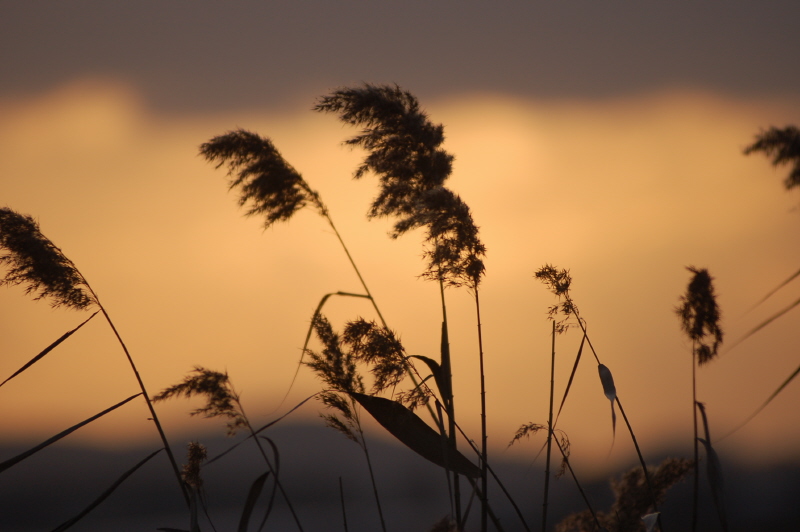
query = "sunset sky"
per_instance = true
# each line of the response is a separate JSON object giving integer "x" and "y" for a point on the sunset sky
{"x": 602, "y": 138}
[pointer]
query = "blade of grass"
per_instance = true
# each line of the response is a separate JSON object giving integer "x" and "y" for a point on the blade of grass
{"x": 438, "y": 375}
{"x": 277, "y": 469}
{"x": 714, "y": 470}
{"x": 271, "y": 423}
{"x": 48, "y": 349}
{"x": 610, "y": 392}
{"x": 103, "y": 496}
{"x": 250, "y": 502}
{"x": 571, "y": 377}
{"x": 20, "y": 457}
{"x": 764, "y": 323}
{"x": 764, "y": 405}
{"x": 407, "y": 427}
{"x": 774, "y": 290}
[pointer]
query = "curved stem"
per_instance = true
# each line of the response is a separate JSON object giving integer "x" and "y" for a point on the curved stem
{"x": 155, "y": 419}
{"x": 355, "y": 269}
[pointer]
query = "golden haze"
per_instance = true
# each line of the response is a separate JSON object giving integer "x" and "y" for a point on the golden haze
{"x": 624, "y": 193}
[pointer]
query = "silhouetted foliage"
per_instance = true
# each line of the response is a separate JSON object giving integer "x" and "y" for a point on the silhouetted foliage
{"x": 405, "y": 154}
{"x": 455, "y": 252}
{"x": 559, "y": 282}
{"x": 633, "y": 499}
{"x": 267, "y": 184}
{"x": 783, "y": 145}
{"x": 380, "y": 349}
{"x": 33, "y": 260}
{"x": 221, "y": 400}
{"x": 403, "y": 144}
{"x": 700, "y": 315}
{"x": 196, "y": 454}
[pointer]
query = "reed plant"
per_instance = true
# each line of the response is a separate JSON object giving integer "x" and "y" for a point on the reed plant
{"x": 365, "y": 370}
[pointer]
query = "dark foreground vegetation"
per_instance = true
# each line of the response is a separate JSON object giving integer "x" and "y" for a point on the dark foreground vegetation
{"x": 365, "y": 372}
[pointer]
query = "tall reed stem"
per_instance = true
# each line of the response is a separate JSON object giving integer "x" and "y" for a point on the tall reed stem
{"x": 173, "y": 462}
{"x": 356, "y": 270}
{"x": 696, "y": 480}
{"x": 484, "y": 437}
{"x": 549, "y": 429}
{"x": 449, "y": 404}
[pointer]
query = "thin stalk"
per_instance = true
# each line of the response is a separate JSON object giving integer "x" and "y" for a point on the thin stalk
{"x": 484, "y": 437}
{"x": 549, "y": 428}
{"x": 176, "y": 470}
{"x": 355, "y": 269}
{"x": 627, "y": 423}
{"x": 409, "y": 368}
{"x": 492, "y": 515}
{"x": 578, "y": 484}
{"x": 696, "y": 482}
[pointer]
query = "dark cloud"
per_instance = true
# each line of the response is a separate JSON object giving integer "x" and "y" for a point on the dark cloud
{"x": 187, "y": 55}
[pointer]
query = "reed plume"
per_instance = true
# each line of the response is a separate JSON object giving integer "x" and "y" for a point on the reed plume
{"x": 700, "y": 317}
{"x": 32, "y": 260}
{"x": 783, "y": 145}
{"x": 267, "y": 184}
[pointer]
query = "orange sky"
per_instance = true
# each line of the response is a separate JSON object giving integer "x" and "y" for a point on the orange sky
{"x": 625, "y": 192}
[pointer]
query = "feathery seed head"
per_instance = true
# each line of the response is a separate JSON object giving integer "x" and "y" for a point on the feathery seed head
{"x": 33, "y": 260}
{"x": 221, "y": 400}
{"x": 195, "y": 455}
{"x": 700, "y": 315}
{"x": 267, "y": 184}
{"x": 783, "y": 145}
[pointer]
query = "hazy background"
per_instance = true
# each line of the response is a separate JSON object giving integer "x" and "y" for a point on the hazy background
{"x": 604, "y": 138}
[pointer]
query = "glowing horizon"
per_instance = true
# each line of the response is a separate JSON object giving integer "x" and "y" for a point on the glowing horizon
{"x": 624, "y": 192}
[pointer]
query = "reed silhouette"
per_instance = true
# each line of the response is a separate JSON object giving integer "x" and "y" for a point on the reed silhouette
{"x": 365, "y": 370}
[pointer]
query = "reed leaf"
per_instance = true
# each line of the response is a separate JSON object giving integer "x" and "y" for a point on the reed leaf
{"x": 768, "y": 401}
{"x": 766, "y": 322}
{"x": 276, "y": 471}
{"x": 713, "y": 469}
{"x": 20, "y": 457}
{"x": 777, "y": 288}
{"x": 48, "y": 349}
{"x": 610, "y": 392}
{"x": 442, "y": 383}
{"x": 415, "y": 434}
{"x": 252, "y": 496}
{"x": 571, "y": 377}
{"x": 103, "y": 496}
